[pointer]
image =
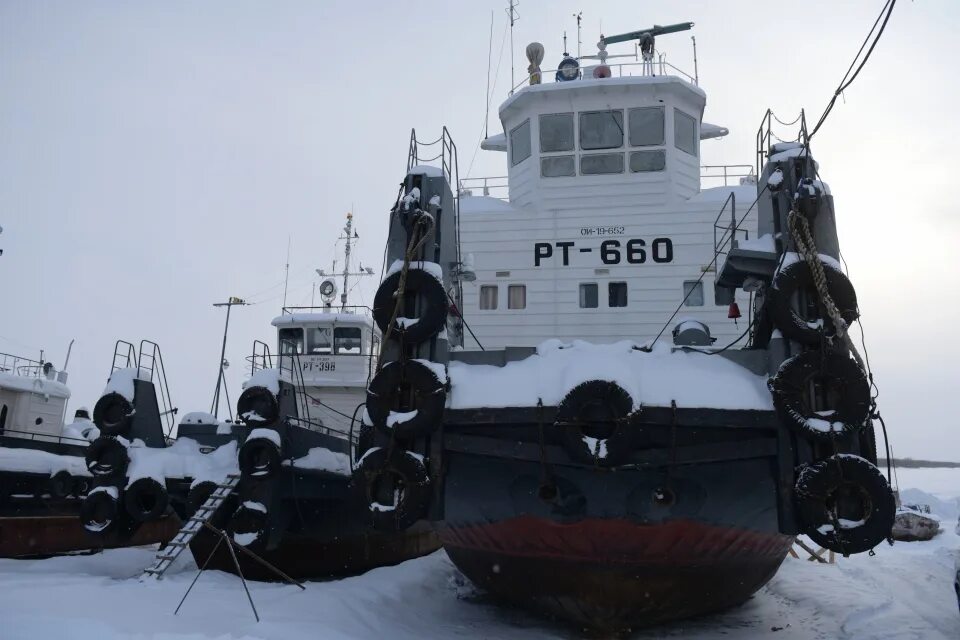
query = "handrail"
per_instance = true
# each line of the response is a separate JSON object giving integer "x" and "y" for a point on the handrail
{"x": 720, "y": 246}
{"x": 292, "y": 310}
{"x": 18, "y": 365}
{"x": 156, "y": 367}
{"x": 61, "y": 439}
{"x": 263, "y": 355}
{"x": 726, "y": 171}
{"x": 127, "y": 356}
{"x": 766, "y": 136}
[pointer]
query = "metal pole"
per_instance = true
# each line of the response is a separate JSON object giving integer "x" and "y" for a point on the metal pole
{"x": 215, "y": 406}
{"x": 696, "y": 73}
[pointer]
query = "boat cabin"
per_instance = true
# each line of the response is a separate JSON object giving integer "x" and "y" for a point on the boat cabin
{"x": 33, "y": 398}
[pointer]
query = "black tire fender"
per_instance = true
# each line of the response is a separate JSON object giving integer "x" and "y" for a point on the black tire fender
{"x": 100, "y": 511}
{"x": 432, "y": 301}
{"x": 257, "y": 406}
{"x": 259, "y": 458}
{"x": 400, "y": 477}
{"x": 61, "y": 484}
{"x": 429, "y": 398}
{"x": 249, "y": 526}
{"x": 113, "y": 414}
{"x": 592, "y": 423}
{"x": 797, "y": 276}
{"x": 847, "y": 389}
{"x": 145, "y": 499}
{"x": 853, "y": 490}
{"x": 107, "y": 456}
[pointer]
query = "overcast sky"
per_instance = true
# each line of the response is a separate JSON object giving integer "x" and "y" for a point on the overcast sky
{"x": 155, "y": 158}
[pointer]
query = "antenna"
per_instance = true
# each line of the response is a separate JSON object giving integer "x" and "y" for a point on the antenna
{"x": 221, "y": 382}
{"x": 579, "y": 17}
{"x": 286, "y": 276}
{"x": 565, "y": 42}
{"x": 326, "y": 292}
{"x": 696, "y": 72}
{"x": 514, "y": 16}
{"x": 486, "y": 121}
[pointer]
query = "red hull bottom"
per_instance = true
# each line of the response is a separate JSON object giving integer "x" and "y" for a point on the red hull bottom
{"x": 615, "y": 574}
{"x": 29, "y": 536}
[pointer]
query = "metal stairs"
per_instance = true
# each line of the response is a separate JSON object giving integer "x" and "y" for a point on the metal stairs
{"x": 167, "y": 555}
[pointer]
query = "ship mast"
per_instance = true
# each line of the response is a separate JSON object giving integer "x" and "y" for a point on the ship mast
{"x": 348, "y": 229}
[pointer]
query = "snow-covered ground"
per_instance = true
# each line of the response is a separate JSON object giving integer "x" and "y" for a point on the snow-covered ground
{"x": 903, "y": 592}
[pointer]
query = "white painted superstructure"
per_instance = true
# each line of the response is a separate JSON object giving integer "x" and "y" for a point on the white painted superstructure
{"x": 33, "y": 399}
{"x": 606, "y": 227}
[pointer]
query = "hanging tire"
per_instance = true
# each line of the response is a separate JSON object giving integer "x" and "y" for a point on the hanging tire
{"x": 61, "y": 484}
{"x": 797, "y": 276}
{"x": 868, "y": 444}
{"x": 100, "y": 511}
{"x": 259, "y": 458}
{"x": 429, "y": 397}
{"x": 395, "y": 488}
{"x": 849, "y": 491}
{"x": 433, "y": 305}
{"x": 145, "y": 499}
{"x": 843, "y": 382}
{"x": 113, "y": 414}
{"x": 365, "y": 440}
{"x": 80, "y": 486}
{"x": 198, "y": 494}
{"x": 257, "y": 406}
{"x": 249, "y": 526}
{"x": 107, "y": 456}
{"x": 593, "y": 423}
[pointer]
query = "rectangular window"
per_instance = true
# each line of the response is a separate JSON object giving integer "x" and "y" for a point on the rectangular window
{"x": 589, "y": 295}
{"x": 646, "y": 126}
{"x": 291, "y": 341}
{"x": 693, "y": 293}
{"x": 600, "y": 163}
{"x": 641, "y": 161}
{"x": 556, "y": 132}
{"x": 617, "y": 292}
{"x": 488, "y": 296}
{"x": 346, "y": 340}
{"x": 557, "y": 166}
{"x": 684, "y": 132}
{"x": 517, "y": 296}
{"x": 601, "y": 129}
{"x": 320, "y": 340}
{"x": 520, "y": 143}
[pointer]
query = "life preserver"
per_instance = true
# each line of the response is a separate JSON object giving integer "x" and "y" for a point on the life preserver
{"x": 432, "y": 302}
{"x": 395, "y": 488}
{"x": 592, "y": 423}
{"x": 61, "y": 484}
{"x": 145, "y": 499}
{"x": 795, "y": 277}
{"x": 257, "y": 406}
{"x": 249, "y": 526}
{"x": 113, "y": 414}
{"x": 844, "y": 382}
{"x": 428, "y": 392}
{"x": 259, "y": 458}
{"x": 107, "y": 456}
{"x": 848, "y": 491}
{"x": 98, "y": 512}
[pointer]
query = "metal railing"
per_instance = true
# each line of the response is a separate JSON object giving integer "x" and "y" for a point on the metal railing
{"x": 496, "y": 186}
{"x": 18, "y": 365}
{"x": 261, "y": 358}
{"x": 766, "y": 137}
{"x": 151, "y": 365}
{"x": 43, "y": 437}
{"x": 725, "y": 242}
{"x": 646, "y": 68}
{"x": 351, "y": 308}
{"x": 726, "y": 172}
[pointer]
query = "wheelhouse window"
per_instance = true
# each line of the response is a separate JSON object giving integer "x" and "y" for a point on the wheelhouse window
{"x": 347, "y": 340}
{"x": 601, "y": 163}
{"x": 684, "y": 132}
{"x": 556, "y": 132}
{"x": 646, "y": 126}
{"x": 558, "y": 166}
{"x": 488, "y": 297}
{"x": 601, "y": 129}
{"x": 320, "y": 340}
{"x": 517, "y": 296}
{"x": 617, "y": 294}
{"x": 520, "y": 143}
{"x": 693, "y": 293}
{"x": 643, "y": 161}
{"x": 589, "y": 296}
{"x": 291, "y": 340}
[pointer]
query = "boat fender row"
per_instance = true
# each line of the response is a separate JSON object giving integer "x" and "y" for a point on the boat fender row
{"x": 107, "y": 457}
{"x": 143, "y": 500}
{"x": 428, "y": 392}
{"x": 593, "y": 423}
{"x": 260, "y": 457}
{"x": 63, "y": 484}
{"x": 432, "y": 297}
{"x": 258, "y": 406}
{"x": 113, "y": 414}
{"x": 395, "y": 486}
{"x": 844, "y": 504}
{"x": 247, "y": 523}
{"x": 796, "y": 277}
{"x": 841, "y": 380}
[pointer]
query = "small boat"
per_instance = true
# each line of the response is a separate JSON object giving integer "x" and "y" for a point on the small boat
{"x": 582, "y": 445}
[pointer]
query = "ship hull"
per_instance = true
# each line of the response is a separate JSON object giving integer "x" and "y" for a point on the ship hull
{"x": 604, "y": 552}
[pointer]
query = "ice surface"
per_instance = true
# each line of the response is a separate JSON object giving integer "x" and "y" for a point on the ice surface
{"x": 323, "y": 459}
{"x": 654, "y": 379}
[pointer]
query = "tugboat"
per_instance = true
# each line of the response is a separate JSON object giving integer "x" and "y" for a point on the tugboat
{"x": 298, "y": 431}
{"x": 45, "y": 484}
{"x": 571, "y": 459}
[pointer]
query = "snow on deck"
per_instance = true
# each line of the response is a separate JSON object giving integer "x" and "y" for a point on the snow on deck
{"x": 322, "y": 459}
{"x": 692, "y": 379}
{"x": 182, "y": 459}
{"x": 36, "y": 461}
{"x": 904, "y": 592}
{"x": 33, "y": 384}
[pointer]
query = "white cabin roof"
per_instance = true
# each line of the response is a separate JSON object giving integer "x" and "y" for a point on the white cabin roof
{"x": 32, "y": 384}
{"x": 349, "y": 319}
